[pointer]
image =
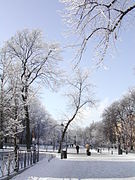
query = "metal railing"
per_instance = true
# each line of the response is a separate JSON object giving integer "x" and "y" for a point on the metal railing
{"x": 11, "y": 163}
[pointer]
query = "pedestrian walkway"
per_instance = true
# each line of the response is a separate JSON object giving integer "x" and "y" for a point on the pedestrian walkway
{"x": 82, "y": 167}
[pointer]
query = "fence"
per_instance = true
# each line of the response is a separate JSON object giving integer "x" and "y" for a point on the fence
{"x": 11, "y": 163}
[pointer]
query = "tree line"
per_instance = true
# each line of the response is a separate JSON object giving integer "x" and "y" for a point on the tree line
{"x": 119, "y": 121}
{"x": 117, "y": 127}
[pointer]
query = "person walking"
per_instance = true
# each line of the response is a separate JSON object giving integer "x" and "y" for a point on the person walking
{"x": 88, "y": 150}
{"x": 77, "y": 149}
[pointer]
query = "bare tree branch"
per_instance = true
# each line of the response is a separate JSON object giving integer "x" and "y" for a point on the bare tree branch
{"x": 98, "y": 20}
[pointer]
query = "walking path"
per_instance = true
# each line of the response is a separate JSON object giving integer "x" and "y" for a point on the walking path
{"x": 81, "y": 167}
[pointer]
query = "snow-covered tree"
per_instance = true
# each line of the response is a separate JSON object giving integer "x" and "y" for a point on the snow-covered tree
{"x": 41, "y": 122}
{"x": 38, "y": 61}
{"x": 98, "y": 20}
{"x": 119, "y": 121}
{"x": 15, "y": 116}
{"x": 80, "y": 97}
{"x": 4, "y": 94}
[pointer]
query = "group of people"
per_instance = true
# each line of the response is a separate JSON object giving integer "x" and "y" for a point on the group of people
{"x": 87, "y": 149}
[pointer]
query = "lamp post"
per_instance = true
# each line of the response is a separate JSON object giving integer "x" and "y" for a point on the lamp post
{"x": 66, "y": 141}
{"x": 38, "y": 141}
{"x": 34, "y": 146}
{"x": 75, "y": 140}
{"x": 62, "y": 129}
{"x": 63, "y": 152}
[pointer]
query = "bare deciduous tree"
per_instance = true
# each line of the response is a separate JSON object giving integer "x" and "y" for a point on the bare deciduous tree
{"x": 119, "y": 122}
{"x": 4, "y": 94}
{"x": 80, "y": 96}
{"x": 38, "y": 62}
{"x": 98, "y": 19}
{"x": 14, "y": 124}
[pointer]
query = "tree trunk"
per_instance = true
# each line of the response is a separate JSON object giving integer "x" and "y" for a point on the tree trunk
{"x": 59, "y": 150}
{"x": 27, "y": 122}
{"x": 1, "y": 116}
{"x": 16, "y": 154}
{"x": 1, "y": 128}
{"x": 131, "y": 141}
{"x": 62, "y": 137}
{"x": 61, "y": 141}
{"x": 119, "y": 147}
{"x": 1, "y": 144}
{"x": 65, "y": 129}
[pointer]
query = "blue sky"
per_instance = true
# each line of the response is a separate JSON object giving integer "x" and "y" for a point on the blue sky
{"x": 111, "y": 82}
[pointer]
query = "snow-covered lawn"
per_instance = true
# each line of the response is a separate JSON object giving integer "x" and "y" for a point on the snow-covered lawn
{"x": 81, "y": 167}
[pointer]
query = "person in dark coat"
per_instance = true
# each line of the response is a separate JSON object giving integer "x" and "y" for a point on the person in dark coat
{"x": 77, "y": 149}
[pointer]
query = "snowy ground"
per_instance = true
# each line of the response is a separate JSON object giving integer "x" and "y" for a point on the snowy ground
{"x": 105, "y": 166}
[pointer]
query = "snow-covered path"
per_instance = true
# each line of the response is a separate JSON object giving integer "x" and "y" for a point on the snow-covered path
{"x": 82, "y": 167}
